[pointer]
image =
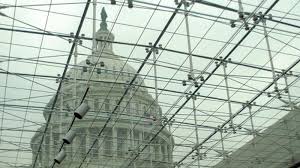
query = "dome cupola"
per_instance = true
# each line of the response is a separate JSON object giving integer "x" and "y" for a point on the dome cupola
{"x": 103, "y": 34}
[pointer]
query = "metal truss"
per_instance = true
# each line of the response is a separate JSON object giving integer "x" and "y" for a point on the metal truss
{"x": 222, "y": 74}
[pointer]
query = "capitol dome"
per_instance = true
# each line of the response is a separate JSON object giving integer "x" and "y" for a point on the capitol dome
{"x": 133, "y": 123}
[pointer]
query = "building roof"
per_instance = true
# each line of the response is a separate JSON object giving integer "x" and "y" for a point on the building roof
{"x": 276, "y": 147}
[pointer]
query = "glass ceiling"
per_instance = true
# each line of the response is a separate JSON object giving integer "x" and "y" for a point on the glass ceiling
{"x": 227, "y": 60}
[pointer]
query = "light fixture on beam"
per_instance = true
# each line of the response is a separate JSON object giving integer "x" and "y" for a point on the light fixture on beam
{"x": 69, "y": 136}
{"x": 88, "y": 62}
{"x": 2, "y": 14}
{"x": 130, "y": 4}
{"x": 113, "y": 2}
{"x": 60, "y": 156}
{"x": 81, "y": 111}
{"x": 3, "y": 7}
{"x": 184, "y": 83}
{"x": 102, "y": 64}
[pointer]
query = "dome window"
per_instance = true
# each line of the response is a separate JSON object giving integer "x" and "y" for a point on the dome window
{"x": 106, "y": 105}
{"x": 106, "y": 71}
{"x": 55, "y": 137}
{"x": 87, "y": 61}
{"x": 121, "y": 143}
{"x": 102, "y": 64}
{"x": 98, "y": 70}
{"x": 108, "y": 142}
{"x": 84, "y": 69}
{"x": 137, "y": 108}
{"x": 128, "y": 107}
{"x": 145, "y": 112}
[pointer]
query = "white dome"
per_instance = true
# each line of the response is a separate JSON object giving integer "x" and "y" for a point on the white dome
{"x": 107, "y": 85}
{"x": 109, "y": 72}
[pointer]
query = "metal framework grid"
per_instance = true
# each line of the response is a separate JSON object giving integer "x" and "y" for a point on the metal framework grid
{"x": 222, "y": 73}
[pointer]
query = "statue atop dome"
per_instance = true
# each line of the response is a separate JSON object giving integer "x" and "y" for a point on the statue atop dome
{"x": 104, "y": 34}
{"x": 103, "y": 24}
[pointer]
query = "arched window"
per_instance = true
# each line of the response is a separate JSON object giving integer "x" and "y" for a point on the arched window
{"x": 98, "y": 72}
{"x": 55, "y": 138}
{"x": 108, "y": 142}
{"x": 146, "y": 114}
{"x": 121, "y": 142}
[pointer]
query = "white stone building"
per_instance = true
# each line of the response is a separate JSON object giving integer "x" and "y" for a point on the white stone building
{"x": 116, "y": 146}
